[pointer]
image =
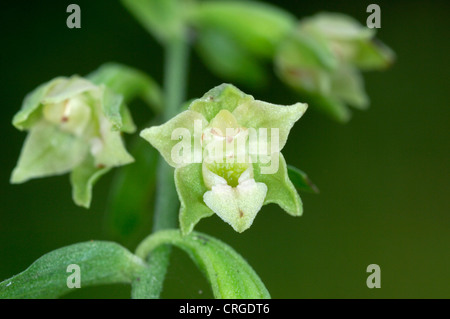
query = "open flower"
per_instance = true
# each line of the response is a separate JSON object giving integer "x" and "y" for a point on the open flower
{"x": 323, "y": 57}
{"x": 74, "y": 126}
{"x": 226, "y": 152}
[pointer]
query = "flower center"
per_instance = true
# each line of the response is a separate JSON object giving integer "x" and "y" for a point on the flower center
{"x": 228, "y": 171}
{"x": 71, "y": 115}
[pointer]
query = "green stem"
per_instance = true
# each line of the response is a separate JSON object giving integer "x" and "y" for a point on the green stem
{"x": 167, "y": 205}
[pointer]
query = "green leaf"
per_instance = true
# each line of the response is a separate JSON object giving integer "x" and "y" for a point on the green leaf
{"x": 230, "y": 276}
{"x": 228, "y": 60}
{"x": 191, "y": 187}
{"x": 130, "y": 200}
{"x": 257, "y": 27}
{"x": 128, "y": 82}
{"x": 301, "y": 180}
{"x": 100, "y": 263}
{"x": 83, "y": 178}
{"x": 280, "y": 189}
{"x": 48, "y": 151}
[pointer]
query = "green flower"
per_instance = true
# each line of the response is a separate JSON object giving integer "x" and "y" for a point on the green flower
{"x": 226, "y": 152}
{"x": 73, "y": 126}
{"x": 323, "y": 57}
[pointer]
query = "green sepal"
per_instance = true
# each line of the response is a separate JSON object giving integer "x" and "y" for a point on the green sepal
{"x": 230, "y": 276}
{"x": 280, "y": 189}
{"x": 258, "y": 114}
{"x": 161, "y": 136}
{"x": 191, "y": 188}
{"x": 48, "y": 151}
{"x": 100, "y": 263}
{"x": 83, "y": 177}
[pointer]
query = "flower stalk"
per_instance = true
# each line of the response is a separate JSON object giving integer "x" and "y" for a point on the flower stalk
{"x": 167, "y": 203}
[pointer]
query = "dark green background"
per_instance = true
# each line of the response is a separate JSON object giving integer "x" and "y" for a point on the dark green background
{"x": 383, "y": 177}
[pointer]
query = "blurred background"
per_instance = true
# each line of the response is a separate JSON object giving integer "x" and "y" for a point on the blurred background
{"x": 383, "y": 177}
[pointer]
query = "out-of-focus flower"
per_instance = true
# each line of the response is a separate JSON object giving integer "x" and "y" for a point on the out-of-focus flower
{"x": 73, "y": 126}
{"x": 226, "y": 152}
{"x": 323, "y": 57}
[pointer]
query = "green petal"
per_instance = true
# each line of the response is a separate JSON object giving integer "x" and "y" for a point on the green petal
{"x": 181, "y": 128}
{"x": 83, "y": 178}
{"x": 257, "y": 114}
{"x": 27, "y": 115}
{"x": 190, "y": 188}
{"x": 48, "y": 151}
{"x": 67, "y": 88}
{"x": 280, "y": 189}
{"x": 109, "y": 149}
{"x": 222, "y": 97}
